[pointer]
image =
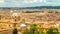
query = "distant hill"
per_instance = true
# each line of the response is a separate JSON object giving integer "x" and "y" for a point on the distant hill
{"x": 37, "y": 7}
{"x": 42, "y": 7}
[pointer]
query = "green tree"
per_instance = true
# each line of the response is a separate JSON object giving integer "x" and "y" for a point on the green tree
{"x": 15, "y": 31}
{"x": 33, "y": 30}
{"x": 0, "y": 17}
{"x": 41, "y": 31}
{"x": 26, "y": 32}
{"x": 52, "y": 30}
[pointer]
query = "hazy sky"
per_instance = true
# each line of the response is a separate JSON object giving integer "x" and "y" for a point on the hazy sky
{"x": 28, "y": 3}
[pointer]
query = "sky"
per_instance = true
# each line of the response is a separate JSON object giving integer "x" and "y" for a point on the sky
{"x": 28, "y": 3}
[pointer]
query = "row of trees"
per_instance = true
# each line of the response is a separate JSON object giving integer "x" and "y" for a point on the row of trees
{"x": 35, "y": 30}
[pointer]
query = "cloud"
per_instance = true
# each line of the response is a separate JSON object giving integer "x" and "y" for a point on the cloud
{"x": 23, "y": 3}
{"x": 43, "y": 1}
{"x": 34, "y": 1}
{"x": 31, "y": 1}
{"x": 2, "y": 1}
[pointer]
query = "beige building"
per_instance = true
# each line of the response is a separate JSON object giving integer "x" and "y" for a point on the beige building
{"x": 42, "y": 17}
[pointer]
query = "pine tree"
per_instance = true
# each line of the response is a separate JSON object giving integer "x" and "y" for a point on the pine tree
{"x": 15, "y": 31}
